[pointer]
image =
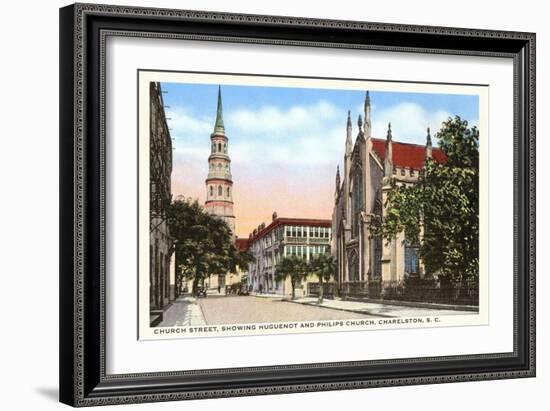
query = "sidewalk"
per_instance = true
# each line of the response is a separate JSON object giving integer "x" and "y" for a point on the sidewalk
{"x": 376, "y": 309}
{"x": 184, "y": 311}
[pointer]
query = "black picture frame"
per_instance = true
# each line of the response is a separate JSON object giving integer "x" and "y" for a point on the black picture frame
{"x": 83, "y": 29}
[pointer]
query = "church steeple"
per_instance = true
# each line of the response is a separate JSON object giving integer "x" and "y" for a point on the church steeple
{"x": 219, "y": 182}
{"x": 349, "y": 143}
{"x": 337, "y": 178}
{"x": 388, "y": 157}
{"x": 428, "y": 145}
{"x": 367, "y": 115}
{"x": 219, "y": 127}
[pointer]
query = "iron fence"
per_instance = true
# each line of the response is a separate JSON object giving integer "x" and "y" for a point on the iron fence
{"x": 413, "y": 289}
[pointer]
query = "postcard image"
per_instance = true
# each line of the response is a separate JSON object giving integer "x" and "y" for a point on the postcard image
{"x": 289, "y": 205}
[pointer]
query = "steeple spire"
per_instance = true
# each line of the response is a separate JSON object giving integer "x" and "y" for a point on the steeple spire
{"x": 337, "y": 178}
{"x": 359, "y": 122}
{"x": 428, "y": 145}
{"x": 388, "y": 158}
{"x": 349, "y": 143}
{"x": 219, "y": 127}
{"x": 367, "y": 115}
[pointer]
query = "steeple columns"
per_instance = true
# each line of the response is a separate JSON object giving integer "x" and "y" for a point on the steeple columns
{"x": 219, "y": 183}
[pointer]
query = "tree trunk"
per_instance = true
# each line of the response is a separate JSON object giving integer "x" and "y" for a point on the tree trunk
{"x": 195, "y": 283}
{"x": 321, "y": 289}
{"x": 293, "y": 290}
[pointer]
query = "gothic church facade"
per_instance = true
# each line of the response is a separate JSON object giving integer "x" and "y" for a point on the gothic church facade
{"x": 372, "y": 167}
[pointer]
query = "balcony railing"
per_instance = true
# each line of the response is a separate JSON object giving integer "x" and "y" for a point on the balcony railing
{"x": 319, "y": 240}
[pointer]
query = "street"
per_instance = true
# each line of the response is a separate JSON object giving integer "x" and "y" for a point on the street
{"x": 214, "y": 310}
{"x": 245, "y": 310}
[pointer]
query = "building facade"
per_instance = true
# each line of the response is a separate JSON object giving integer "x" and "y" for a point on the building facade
{"x": 162, "y": 284}
{"x": 300, "y": 237}
{"x": 372, "y": 167}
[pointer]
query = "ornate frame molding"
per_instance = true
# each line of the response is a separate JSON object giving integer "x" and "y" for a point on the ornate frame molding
{"x": 83, "y": 36}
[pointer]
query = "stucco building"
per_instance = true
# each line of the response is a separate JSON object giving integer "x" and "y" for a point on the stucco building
{"x": 302, "y": 237}
{"x": 367, "y": 266}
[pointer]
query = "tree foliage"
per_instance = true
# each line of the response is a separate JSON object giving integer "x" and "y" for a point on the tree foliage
{"x": 444, "y": 204}
{"x": 204, "y": 244}
{"x": 323, "y": 266}
{"x": 292, "y": 267}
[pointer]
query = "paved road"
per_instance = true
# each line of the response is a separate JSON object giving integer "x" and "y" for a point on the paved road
{"x": 244, "y": 310}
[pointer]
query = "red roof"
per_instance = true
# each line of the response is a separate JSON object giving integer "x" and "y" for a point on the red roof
{"x": 407, "y": 155}
{"x": 290, "y": 221}
{"x": 241, "y": 244}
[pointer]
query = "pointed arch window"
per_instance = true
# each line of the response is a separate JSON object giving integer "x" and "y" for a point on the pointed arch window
{"x": 357, "y": 199}
{"x": 353, "y": 267}
{"x": 220, "y": 147}
{"x": 411, "y": 259}
{"x": 211, "y": 191}
{"x": 220, "y": 190}
{"x": 228, "y": 191}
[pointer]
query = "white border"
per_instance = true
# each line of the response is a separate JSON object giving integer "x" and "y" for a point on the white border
{"x": 145, "y": 77}
{"x": 125, "y": 354}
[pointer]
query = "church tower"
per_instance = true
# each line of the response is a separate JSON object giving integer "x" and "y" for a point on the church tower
{"x": 219, "y": 183}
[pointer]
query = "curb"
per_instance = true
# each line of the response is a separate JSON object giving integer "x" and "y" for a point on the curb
{"x": 418, "y": 304}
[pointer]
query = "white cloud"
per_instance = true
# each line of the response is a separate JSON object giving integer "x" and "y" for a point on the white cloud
{"x": 409, "y": 122}
{"x": 182, "y": 121}
{"x": 300, "y": 134}
{"x": 275, "y": 122}
{"x": 306, "y": 135}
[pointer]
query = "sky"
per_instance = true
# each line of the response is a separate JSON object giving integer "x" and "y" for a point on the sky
{"x": 285, "y": 143}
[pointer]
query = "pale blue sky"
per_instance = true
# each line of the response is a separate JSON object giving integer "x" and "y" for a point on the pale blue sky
{"x": 285, "y": 143}
{"x": 301, "y": 124}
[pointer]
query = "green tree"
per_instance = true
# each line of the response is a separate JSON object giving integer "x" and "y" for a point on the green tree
{"x": 204, "y": 244}
{"x": 444, "y": 204}
{"x": 323, "y": 267}
{"x": 243, "y": 259}
{"x": 291, "y": 267}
